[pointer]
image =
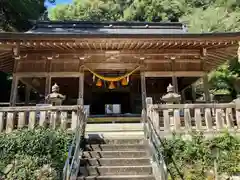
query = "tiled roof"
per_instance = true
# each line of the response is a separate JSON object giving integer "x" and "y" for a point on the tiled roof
{"x": 85, "y": 27}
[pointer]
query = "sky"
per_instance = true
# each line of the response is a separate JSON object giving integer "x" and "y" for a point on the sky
{"x": 47, "y": 4}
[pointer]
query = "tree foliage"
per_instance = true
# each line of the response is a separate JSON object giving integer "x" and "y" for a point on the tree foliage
{"x": 131, "y": 10}
{"x": 15, "y": 15}
{"x": 224, "y": 78}
{"x": 195, "y": 157}
{"x": 221, "y": 16}
{"x": 209, "y": 15}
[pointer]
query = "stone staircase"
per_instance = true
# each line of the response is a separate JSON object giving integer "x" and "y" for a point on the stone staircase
{"x": 116, "y": 159}
{"x": 116, "y": 130}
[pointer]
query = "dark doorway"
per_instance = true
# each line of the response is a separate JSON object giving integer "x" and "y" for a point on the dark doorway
{"x": 99, "y": 99}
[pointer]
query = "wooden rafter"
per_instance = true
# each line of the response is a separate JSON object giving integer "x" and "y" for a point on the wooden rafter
{"x": 156, "y": 53}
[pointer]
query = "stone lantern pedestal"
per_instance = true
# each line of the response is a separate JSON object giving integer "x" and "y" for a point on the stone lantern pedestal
{"x": 171, "y": 98}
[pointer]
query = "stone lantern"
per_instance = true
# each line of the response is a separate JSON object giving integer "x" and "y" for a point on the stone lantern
{"x": 55, "y": 98}
{"x": 171, "y": 98}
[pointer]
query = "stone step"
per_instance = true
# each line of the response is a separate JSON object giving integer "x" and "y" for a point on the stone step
{"x": 129, "y": 177}
{"x": 115, "y": 161}
{"x": 116, "y": 127}
{"x": 115, "y": 147}
{"x": 114, "y": 141}
{"x": 117, "y": 134}
{"x": 116, "y": 170}
{"x": 115, "y": 154}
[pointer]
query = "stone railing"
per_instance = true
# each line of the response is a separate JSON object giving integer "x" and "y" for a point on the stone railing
{"x": 194, "y": 117}
{"x": 32, "y": 116}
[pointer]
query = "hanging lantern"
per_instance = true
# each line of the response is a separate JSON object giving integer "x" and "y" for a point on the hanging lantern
{"x": 124, "y": 82}
{"x": 111, "y": 86}
{"x": 99, "y": 83}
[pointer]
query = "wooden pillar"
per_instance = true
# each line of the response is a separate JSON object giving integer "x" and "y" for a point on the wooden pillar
{"x": 47, "y": 86}
{"x": 27, "y": 94}
{"x": 206, "y": 88}
{"x": 81, "y": 89}
{"x": 14, "y": 90}
{"x": 175, "y": 84}
{"x": 143, "y": 90}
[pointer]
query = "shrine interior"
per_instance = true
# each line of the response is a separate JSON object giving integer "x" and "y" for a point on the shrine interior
{"x": 127, "y": 96}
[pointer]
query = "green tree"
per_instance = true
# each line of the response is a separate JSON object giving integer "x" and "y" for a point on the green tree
{"x": 92, "y": 10}
{"x": 131, "y": 10}
{"x": 15, "y": 15}
{"x": 155, "y": 11}
{"x": 225, "y": 78}
{"x": 213, "y": 19}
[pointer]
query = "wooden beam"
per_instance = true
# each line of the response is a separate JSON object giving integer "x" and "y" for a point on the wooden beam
{"x": 44, "y": 74}
{"x": 167, "y": 52}
{"x": 90, "y": 38}
{"x": 31, "y": 74}
{"x": 177, "y": 60}
{"x": 112, "y": 66}
{"x": 122, "y": 67}
{"x": 176, "y": 73}
{"x": 65, "y": 74}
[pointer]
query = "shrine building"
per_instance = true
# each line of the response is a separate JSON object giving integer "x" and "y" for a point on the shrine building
{"x": 111, "y": 63}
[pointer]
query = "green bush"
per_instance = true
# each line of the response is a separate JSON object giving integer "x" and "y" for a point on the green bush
{"x": 194, "y": 158}
{"x": 25, "y": 154}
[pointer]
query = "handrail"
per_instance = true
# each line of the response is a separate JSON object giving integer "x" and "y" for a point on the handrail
{"x": 31, "y": 116}
{"x": 192, "y": 106}
{"x": 72, "y": 163}
{"x": 4, "y": 104}
{"x": 38, "y": 108}
{"x": 181, "y": 118}
{"x": 158, "y": 147}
